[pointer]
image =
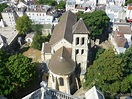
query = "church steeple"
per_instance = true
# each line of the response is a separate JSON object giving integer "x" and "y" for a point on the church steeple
{"x": 80, "y": 45}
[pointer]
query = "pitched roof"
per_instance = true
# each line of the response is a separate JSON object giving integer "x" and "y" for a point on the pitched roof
{"x": 125, "y": 29}
{"x": 64, "y": 28}
{"x": 129, "y": 7}
{"x": 120, "y": 39}
{"x": 47, "y": 48}
{"x": 80, "y": 27}
{"x": 61, "y": 62}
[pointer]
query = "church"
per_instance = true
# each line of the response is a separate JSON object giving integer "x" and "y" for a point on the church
{"x": 66, "y": 54}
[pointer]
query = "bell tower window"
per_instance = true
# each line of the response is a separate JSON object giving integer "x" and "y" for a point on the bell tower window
{"x": 82, "y": 41}
{"x": 77, "y": 40}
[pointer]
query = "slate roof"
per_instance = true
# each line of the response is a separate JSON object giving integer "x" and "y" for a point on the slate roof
{"x": 61, "y": 62}
{"x": 64, "y": 28}
{"x": 80, "y": 27}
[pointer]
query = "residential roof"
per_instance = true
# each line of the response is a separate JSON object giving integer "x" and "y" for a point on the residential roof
{"x": 129, "y": 7}
{"x": 30, "y": 35}
{"x": 47, "y": 48}
{"x": 61, "y": 62}
{"x": 47, "y": 26}
{"x": 80, "y": 27}
{"x": 120, "y": 39}
{"x": 9, "y": 33}
{"x": 125, "y": 29}
{"x": 64, "y": 28}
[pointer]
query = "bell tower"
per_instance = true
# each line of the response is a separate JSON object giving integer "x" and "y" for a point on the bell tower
{"x": 80, "y": 46}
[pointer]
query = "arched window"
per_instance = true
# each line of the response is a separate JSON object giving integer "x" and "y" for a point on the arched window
{"x": 61, "y": 81}
{"x": 82, "y": 51}
{"x": 77, "y": 51}
{"x": 82, "y": 41}
{"x": 77, "y": 40}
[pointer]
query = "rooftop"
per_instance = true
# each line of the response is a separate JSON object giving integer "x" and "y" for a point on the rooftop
{"x": 125, "y": 29}
{"x": 9, "y": 33}
{"x": 64, "y": 28}
{"x": 61, "y": 59}
{"x": 38, "y": 8}
{"x": 47, "y": 26}
{"x": 120, "y": 39}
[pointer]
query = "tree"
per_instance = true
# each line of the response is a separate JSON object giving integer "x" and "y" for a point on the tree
{"x": 61, "y": 5}
{"x": 38, "y": 40}
{"x": 23, "y": 24}
{"x": 4, "y": 77}
{"x": 53, "y": 3}
{"x": 128, "y": 2}
{"x": 2, "y": 6}
{"x": 127, "y": 60}
{"x": 37, "y": 28}
{"x": 15, "y": 71}
{"x": 97, "y": 22}
{"x": 106, "y": 73}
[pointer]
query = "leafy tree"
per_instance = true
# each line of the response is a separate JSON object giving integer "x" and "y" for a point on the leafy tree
{"x": 97, "y": 22}
{"x": 127, "y": 60}
{"x": 4, "y": 78}
{"x": 49, "y": 2}
{"x": 61, "y": 5}
{"x": 21, "y": 70}
{"x": 37, "y": 28}
{"x": 23, "y": 24}
{"x": 2, "y": 6}
{"x": 106, "y": 73}
{"x": 15, "y": 71}
{"x": 38, "y": 40}
{"x": 128, "y": 2}
{"x": 100, "y": 51}
{"x": 53, "y": 3}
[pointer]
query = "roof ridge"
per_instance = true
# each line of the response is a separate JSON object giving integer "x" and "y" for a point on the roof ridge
{"x": 76, "y": 24}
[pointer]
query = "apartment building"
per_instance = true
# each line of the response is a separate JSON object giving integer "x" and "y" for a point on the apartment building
{"x": 9, "y": 16}
{"x": 39, "y": 15}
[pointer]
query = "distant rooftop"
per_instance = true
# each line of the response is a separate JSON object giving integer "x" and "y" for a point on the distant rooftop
{"x": 115, "y": 8}
{"x": 38, "y": 8}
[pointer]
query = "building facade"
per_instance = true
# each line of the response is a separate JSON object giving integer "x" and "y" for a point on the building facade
{"x": 9, "y": 16}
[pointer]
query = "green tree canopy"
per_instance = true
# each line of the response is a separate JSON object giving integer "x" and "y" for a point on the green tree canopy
{"x": 15, "y": 71}
{"x": 97, "y": 22}
{"x": 37, "y": 28}
{"x": 128, "y": 2}
{"x": 61, "y": 5}
{"x": 106, "y": 73}
{"x": 127, "y": 60}
{"x": 49, "y": 2}
{"x": 23, "y": 24}
{"x": 38, "y": 40}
